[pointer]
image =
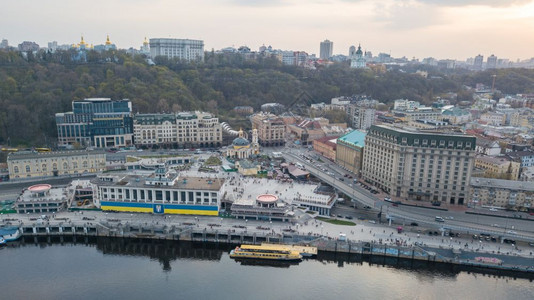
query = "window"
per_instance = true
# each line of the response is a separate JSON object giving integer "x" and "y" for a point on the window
{"x": 28, "y": 169}
{"x": 43, "y": 167}
{"x": 16, "y": 169}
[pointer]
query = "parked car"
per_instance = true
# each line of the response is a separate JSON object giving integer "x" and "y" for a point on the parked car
{"x": 414, "y": 224}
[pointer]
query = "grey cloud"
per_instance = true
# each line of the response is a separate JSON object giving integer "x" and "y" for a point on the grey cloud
{"x": 491, "y": 3}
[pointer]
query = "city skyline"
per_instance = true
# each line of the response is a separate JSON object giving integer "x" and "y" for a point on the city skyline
{"x": 414, "y": 28}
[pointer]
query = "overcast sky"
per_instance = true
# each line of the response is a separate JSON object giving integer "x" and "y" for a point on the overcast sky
{"x": 455, "y": 29}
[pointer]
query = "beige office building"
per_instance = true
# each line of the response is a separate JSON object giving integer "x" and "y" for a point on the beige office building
{"x": 271, "y": 129}
{"x": 414, "y": 165}
{"x": 198, "y": 129}
{"x": 49, "y": 164}
{"x": 349, "y": 151}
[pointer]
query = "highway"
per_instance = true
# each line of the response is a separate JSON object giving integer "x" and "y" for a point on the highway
{"x": 455, "y": 221}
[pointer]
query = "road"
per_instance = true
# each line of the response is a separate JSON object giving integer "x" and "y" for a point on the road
{"x": 424, "y": 216}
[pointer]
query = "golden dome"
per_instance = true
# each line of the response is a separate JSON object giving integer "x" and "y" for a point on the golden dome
{"x": 107, "y": 41}
{"x": 82, "y": 42}
{"x": 145, "y": 42}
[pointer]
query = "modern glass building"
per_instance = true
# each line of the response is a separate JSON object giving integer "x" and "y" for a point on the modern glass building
{"x": 98, "y": 122}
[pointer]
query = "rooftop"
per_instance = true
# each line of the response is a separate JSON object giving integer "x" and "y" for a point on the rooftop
{"x": 29, "y": 154}
{"x": 500, "y": 160}
{"x": 184, "y": 183}
{"x": 355, "y": 138}
{"x": 502, "y": 184}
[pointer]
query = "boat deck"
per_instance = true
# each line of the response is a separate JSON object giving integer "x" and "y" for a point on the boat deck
{"x": 303, "y": 250}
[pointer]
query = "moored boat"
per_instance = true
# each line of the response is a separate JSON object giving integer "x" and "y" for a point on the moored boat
{"x": 266, "y": 253}
{"x": 2, "y": 241}
{"x": 10, "y": 233}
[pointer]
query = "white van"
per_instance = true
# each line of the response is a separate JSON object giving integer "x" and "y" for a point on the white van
{"x": 439, "y": 219}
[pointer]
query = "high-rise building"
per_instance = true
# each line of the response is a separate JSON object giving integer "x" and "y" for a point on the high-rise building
{"x": 28, "y": 46}
{"x": 477, "y": 64}
{"x": 52, "y": 46}
{"x": 185, "y": 129}
{"x": 327, "y": 48}
{"x": 361, "y": 117}
{"x": 4, "y": 44}
{"x": 417, "y": 165}
{"x": 184, "y": 49}
{"x": 492, "y": 62}
{"x": 98, "y": 122}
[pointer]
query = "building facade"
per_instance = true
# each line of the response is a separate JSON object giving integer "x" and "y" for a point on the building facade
{"x": 509, "y": 194}
{"x": 498, "y": 167}
{"x": 49, "y": 164}
{"x": 349, "y": 151}
{"x": 98, "y": 122}
{"x": 361, "y": 117}
{"x": 198, "y": 129}
{"x": 413, "y": 165}
{"x": 271, "y": 129}
{"x": 326, "y": 146}
{"x": 183, "y": 49}
{"x": 326, "y": 50}
{"x": 162, "y": 192}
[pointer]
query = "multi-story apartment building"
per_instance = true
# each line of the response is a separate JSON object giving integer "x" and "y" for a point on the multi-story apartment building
{"x": 326, "y": 50}
{"x": 414, "y": 165}
{"x": 199, "y": 129}
{"x": 349, "y": 151}
{"x": 271, "y": 129}
{"x": 48, "y": 164}
{"x": 494, "y": 118}
{"x": 509, "y": 194}
{"x": 498, "y": 167}
{"x": 361, "y": 117}
{"x": 426, "y": 113}
{"x": 99, "y": 122}
{"x": 184, "y": 49}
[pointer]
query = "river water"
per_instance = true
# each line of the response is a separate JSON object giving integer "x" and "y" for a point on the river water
{"x": 103, "y": 268}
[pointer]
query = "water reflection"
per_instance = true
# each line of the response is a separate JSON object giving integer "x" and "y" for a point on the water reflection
{"x": 166, "y": 252}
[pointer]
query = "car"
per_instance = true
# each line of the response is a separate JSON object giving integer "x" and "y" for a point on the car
{"x": 439, "y": 219}
{"x": 511, "y": 232}
{"x": 367, "y": 207}
{"x": 509, "y": 241}
{"x": 348, "y": 217}
{"x": 414, "y": 224}
{"x": 372, "y": 221}
{"x": 387, "y": 199}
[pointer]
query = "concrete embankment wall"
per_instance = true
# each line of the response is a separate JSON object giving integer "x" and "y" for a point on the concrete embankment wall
{"x": 192, "y": 233}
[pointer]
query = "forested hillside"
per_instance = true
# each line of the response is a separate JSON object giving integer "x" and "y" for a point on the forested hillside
{"x": 34, "y": 88}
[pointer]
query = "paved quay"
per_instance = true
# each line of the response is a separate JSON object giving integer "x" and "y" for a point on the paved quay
{"x": 112, "y": 224}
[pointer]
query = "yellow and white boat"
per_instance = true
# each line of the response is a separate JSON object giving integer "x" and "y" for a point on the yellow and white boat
{"x": 267, "y": 253}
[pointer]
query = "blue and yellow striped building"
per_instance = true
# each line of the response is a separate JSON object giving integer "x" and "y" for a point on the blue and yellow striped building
{"x": 162, "y": 192}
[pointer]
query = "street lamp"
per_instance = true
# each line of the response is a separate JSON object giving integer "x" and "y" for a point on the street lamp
{"x": 321, "y": 229}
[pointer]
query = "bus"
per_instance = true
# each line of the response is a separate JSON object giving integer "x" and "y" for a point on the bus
{"x": 43, "y": 149}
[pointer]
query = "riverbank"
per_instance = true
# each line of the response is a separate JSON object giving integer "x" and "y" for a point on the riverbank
{"x": 363, "y": 240}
